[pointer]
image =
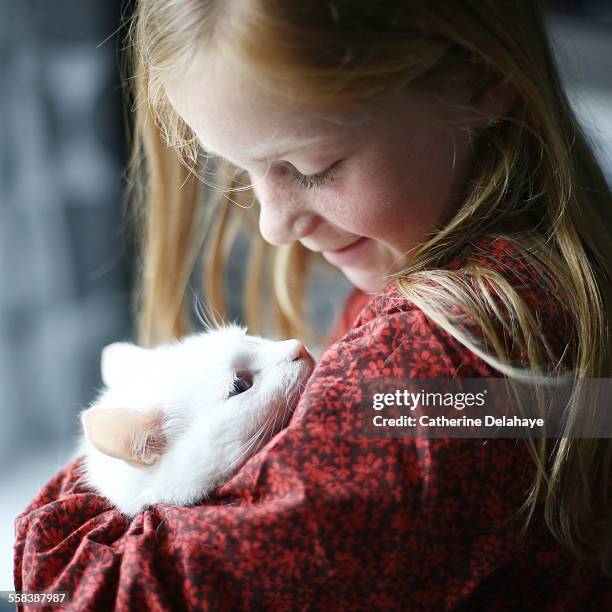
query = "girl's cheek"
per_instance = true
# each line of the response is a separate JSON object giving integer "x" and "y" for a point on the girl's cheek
{"x": 337, "y": 204}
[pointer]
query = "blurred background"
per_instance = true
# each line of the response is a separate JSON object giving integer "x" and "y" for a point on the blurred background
{"x": 65, "y": 257}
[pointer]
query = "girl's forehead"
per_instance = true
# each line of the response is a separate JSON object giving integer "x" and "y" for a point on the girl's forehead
{"x": 227, "y": 110}
{"x": 234, "y": 117}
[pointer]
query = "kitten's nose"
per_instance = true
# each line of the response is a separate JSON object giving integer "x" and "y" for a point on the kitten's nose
{"x": 297, "y": 350}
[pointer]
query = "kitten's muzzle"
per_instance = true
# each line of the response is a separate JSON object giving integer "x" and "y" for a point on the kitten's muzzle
{"x": 297, "y": 351}
{"x": 302, "y": 353}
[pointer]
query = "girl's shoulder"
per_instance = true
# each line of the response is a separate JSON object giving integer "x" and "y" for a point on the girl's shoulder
{"x": 392, "y": 327}
{"x": 500, "y": 255}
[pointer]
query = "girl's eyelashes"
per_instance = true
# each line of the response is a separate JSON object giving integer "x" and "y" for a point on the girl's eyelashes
{"x": 307, "y": 181}
{"x": 242, "y": 382}
{"x": 314, "y": 181}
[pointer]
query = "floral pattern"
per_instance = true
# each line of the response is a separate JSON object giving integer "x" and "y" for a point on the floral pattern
{"x": 323, "y": 518}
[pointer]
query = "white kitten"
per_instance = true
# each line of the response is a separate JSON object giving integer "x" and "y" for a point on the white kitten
{"x": 177, "y": 420}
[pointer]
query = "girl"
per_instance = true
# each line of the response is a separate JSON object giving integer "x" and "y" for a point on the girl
{"x": 427, "y": 150}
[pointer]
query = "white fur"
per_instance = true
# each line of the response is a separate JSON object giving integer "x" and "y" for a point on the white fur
{"x": 209, "y": 434}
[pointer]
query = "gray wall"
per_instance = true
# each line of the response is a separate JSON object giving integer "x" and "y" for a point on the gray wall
{"x": 63, "y": 280}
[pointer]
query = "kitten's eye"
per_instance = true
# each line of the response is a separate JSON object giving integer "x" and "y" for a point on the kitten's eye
{"x": 242, "y": 382}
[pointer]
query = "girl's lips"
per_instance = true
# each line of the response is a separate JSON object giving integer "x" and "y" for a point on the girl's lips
{"x": 349, "y": 254}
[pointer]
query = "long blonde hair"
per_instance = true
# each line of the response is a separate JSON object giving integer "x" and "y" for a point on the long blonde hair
{"x": 536, "y": 182}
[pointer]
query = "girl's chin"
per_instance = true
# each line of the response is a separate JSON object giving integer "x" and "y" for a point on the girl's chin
{"x": 368, "y": 281}
{"x": 368, "y": 265}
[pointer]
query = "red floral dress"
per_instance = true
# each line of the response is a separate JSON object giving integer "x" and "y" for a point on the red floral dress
{"x": 324, "y": 518}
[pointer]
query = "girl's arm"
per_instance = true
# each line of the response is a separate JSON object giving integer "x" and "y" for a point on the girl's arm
{"x": 322, "y": 516}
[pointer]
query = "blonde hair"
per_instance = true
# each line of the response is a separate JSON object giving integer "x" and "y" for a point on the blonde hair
{"x": 536, "y": 182}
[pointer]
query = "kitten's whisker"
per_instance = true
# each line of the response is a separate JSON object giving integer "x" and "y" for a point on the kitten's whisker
{"x": 200, "y": 311}
{"x": 160, "y": 524}
{"x": 245, "y": 448}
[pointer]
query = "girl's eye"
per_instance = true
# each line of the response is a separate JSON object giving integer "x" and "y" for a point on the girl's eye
{"x": 316, "y": 180}
{"x": 308, "y": 181}
{"x": 242, "y": 382}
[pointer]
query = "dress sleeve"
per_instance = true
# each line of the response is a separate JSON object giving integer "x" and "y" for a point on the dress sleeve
{"x": 322, "y": 517}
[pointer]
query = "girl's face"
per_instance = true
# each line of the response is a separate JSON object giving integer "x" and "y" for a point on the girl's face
{"x": 362, "y": 195}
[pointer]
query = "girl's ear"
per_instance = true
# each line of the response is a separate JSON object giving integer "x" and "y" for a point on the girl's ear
{"x": 121, "y": 359}
{"x": 496, "y": 99}
{"x": 132, "y": 435}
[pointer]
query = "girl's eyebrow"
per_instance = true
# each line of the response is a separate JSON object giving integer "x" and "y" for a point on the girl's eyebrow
{"x": 274, "y": 154}
{"x": 281, "y": 153}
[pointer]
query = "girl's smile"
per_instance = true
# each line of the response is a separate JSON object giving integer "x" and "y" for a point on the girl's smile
{"x": 348, "y": 255}
{"x": 363, "y": 192}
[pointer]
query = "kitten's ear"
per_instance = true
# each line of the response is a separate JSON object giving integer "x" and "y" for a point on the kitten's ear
{"x": 121, "y": 359}
{"x": 132, "y": 435}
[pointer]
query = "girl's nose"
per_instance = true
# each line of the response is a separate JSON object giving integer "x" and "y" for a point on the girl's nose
{"x": 283, "y": 225}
